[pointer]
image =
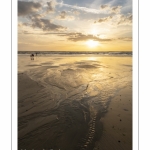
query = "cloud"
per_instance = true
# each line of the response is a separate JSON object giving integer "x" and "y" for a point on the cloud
{"x": 36, "y": 21}
{"x": 125, "y": 38}
{"x": 118, "y": 19}
{"x": 104, "y": 6}
{"x": 51, "y": 6}
{"x": 20, "y": 24}
{"x": 63, "y": 16}
{"x": 25, "y": 8}
{"x": 25, "y": 32}
{"x": 89, "y": 10}
{"x": 36, "y": 16}
{"x": 82, "y": 37}
{"x": 125, "y": 19}
{"x": 109, "y": 9}
{"x": 76, "y": 12}
{"x": 105, "y": 19}
{"x": 116, "y": 9}
{"x": 46, "y": 25}
{"x": 77, "y": 36}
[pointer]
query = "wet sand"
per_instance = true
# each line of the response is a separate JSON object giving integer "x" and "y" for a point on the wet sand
{"x": 117, "y": 122}
{"x": 41, "y": 127}
{"x": 86, "y": 105}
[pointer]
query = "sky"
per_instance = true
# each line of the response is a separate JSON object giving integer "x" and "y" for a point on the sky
{"x": 75, "y": 25}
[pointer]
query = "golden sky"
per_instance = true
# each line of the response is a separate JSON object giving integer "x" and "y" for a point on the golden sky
{"x": 87, "y": 25}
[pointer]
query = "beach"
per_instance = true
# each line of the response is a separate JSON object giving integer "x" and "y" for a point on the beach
{"x": 75, "y": 102}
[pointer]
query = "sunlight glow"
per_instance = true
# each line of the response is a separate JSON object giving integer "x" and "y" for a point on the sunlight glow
{"x": 92, "y": 58}
{"x": 92, "y": 43}
{"x": 94, "y": 31}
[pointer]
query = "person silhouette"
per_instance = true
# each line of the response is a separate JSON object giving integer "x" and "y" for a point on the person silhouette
{"x": 32, "y": 56}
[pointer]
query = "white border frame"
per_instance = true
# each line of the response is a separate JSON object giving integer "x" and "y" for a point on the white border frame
{"x": 6, "y": 107}
{"x": 14, "y": 74}
{"x": 135, "y": 101}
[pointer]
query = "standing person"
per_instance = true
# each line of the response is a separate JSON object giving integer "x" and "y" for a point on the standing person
{"x": 32, "y": 56}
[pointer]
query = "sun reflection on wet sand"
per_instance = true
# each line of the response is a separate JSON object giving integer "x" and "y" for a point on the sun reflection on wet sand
{"x": 92, "y": 58}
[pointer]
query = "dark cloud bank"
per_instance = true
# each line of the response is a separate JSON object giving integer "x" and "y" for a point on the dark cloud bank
{"x": 29, "y": 9}
{"x": 25, "y": 8}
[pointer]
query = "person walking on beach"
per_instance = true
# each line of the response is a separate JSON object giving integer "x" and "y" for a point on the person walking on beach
{"x": 32, "y": 56}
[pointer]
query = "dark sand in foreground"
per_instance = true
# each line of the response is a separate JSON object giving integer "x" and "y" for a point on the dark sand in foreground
{"x": 42, "y": 127}
{"x": 65, "y": 128}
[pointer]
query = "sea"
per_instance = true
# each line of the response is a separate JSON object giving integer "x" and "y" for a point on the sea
{"x": 98, "y": 53}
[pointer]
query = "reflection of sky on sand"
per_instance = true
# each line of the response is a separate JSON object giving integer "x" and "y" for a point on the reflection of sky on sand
{"x": 94, "y": 79}
{"x": 92, "y": 58}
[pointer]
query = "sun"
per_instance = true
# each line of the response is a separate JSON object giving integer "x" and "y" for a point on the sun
{"x": 92, "y": 43}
